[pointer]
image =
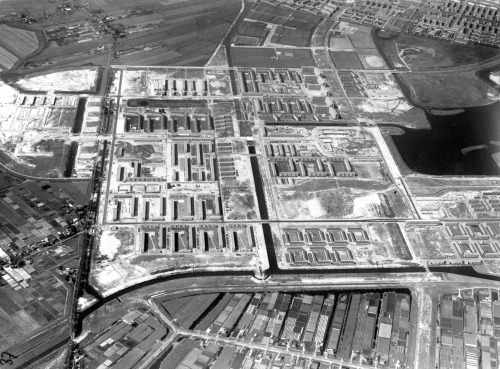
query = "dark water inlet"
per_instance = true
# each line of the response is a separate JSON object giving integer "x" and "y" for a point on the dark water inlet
{"x": 80, "y": 113}
{"x": 459, "y": 144}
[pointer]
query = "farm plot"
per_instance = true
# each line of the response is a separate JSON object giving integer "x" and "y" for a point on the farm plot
{"x": 192, "y": 30}
{"x": 254, "y": 57}
{"x": 346, "y": 60}
{"x": 362, "y": 41}
{"x": 256, "y": 30}
{"x": 16, "y": 44}
{"x": 371, "y": 59}
{"x": 340, "y": 43}
{"x": 269, "y": 14}
{"x": 23, "y": 310}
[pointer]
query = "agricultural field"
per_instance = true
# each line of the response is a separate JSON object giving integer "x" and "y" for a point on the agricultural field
{"x": 99, "y": 32}
{"x": 34, "y": 211}
{"x": 28, "y": 304}
{"x": 33, "y": 292}
{"x": 251, "y": 33}
{"x": 352, "y": 47}
{"x": 16, "y": 44}
{"x": 7, "y": 180}
{"x": 271, "y": 58}
{"x": 346, "y": 60}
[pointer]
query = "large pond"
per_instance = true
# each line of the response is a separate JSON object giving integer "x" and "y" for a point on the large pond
{"x": 459, "y": 144}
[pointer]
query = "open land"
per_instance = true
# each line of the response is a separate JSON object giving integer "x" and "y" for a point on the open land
{"x": 159, "y": 33}
{"x": 182, "y": 183}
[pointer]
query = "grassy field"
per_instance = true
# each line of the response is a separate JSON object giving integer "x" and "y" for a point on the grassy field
{"x": 449, "y": 90}
{"x": 421, "y": 53}
{"x": 7, "y": 180}
{"x": 271, "y": 58}
{"x": 346, "y": 60}
{"x": 432, "y": 242}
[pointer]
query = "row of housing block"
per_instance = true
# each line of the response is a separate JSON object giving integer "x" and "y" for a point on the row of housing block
{"x": 178, "y": 87}
{"x": 311, "y": 167}
{"x": 161, "y": 207}
{"x": 201, "y": 238}
{"x": 474, "y": 240}
{"x": 175, "y": 124}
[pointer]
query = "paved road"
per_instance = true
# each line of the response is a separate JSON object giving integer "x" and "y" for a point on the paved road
{"x": 112, "y": 151}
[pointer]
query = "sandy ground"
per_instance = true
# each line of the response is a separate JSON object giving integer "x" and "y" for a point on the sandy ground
{"x": 108, "y": 245}
{"x": 71, "y": 80}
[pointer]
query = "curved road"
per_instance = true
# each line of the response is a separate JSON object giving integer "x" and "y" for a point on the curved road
{"x": 32, "y": 178}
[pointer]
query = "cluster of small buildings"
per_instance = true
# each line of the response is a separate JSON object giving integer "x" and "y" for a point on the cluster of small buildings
{"x": 124, "y": 344}
{"x": 488, "y": 204}
{"x": 17, "y": 278}
{"x": 469, "y": 325}
{"x": 364, "y": 328}
{"x": 460, "y": 21}
{"x": 475, "y": 240}
{"x": 193, "y": 353}
{"x": 323, "y": 7}
{"x": 182, "y": 238}
{"x": 28, "y": 223}
{"x": 367, "y": 328}
{"x": 384, "y": 14}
